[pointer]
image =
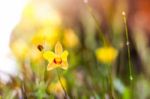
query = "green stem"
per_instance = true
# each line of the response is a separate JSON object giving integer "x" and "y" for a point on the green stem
{"x": 128, "y": 46}
{"x": 102, "y": 37}
{"x": 45, "y": 73}
{"x": 110, "y": 83}
{"x": 66, "y": 94}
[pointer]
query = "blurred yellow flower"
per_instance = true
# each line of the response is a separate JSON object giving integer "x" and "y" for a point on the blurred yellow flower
{"x": 38, "y": 38}
{"x": 20, "y": 48}
{"x": 56, "y": 88}
{"x": 52, "y": 35}
{"x": 35, "y": 55}
{"x": 57, "y": 59}
{"x": 44, "y": 22}
{"x": 70, "y": 38}
{"x": 106, "y": 54}
{"x": 46, "y": 36}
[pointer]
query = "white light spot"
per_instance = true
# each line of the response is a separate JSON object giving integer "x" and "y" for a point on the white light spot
{"x": 123, "y": 13}
{"x": 85, "y": 1}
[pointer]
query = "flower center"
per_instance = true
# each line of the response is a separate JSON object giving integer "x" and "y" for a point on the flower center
{"x": 57, "y": 60}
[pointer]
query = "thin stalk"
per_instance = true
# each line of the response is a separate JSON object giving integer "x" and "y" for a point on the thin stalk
{"x": 66, "y": 94}
{"x": 45, "y": 73}
{"x": 41, "y": 48}
{"x": 23, "y": 89}
{"x": 102, "y": 36}
{"x": 128, "y": 46}
{"x": 110, "y": 82}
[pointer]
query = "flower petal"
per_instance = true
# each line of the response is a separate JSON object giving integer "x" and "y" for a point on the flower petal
{"x": 64, "y": 55}
{"x": 49, "y": 56}
{"x": 64, "y": 65}
{"x": 51, "y": 66}
{"x": 58, "y": 48}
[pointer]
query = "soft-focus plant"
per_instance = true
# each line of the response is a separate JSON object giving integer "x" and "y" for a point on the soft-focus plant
{"x": 21, "y": 50}
{"x": 56, "y": 88}
{"x": 106, "y": 54}
{"x": 94, "y": 64}
{"x": 70, "y": 38}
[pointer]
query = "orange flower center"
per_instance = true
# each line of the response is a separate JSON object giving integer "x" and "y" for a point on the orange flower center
{"x": 57, "y": 60}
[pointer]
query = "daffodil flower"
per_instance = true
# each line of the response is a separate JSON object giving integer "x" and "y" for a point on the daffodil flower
{"x": 57, "y": 59}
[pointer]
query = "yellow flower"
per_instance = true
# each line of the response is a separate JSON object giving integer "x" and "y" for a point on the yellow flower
{"x": 38, "y": 38}
{"x": 106, "y": 54}
{"x": 70, "y": 40}
{"x": 57, "y": 59}
{"x": 56, "y": 88}
{"x": 46, "y": 36}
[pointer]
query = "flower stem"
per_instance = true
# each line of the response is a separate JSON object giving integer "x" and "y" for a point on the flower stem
{"x": 110, "y": 82}
{"x": 128, "y": 46}
{"x": 45, "y": 73}
{"x": 23, "y": 89}
{"x": 102, "y": 36}
{"x": 66, "y": 94}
